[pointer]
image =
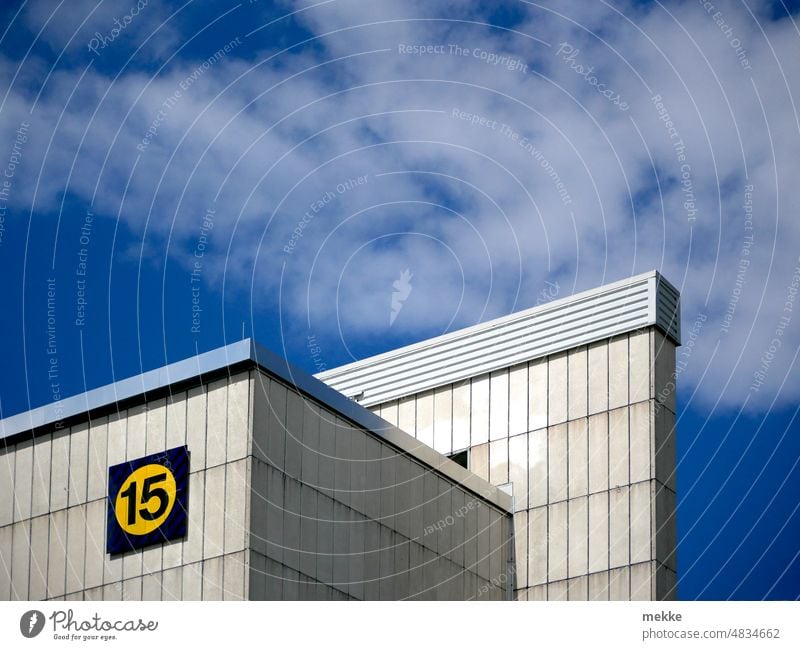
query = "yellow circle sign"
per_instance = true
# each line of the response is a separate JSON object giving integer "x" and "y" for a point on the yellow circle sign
{"x": 145, "y": 499}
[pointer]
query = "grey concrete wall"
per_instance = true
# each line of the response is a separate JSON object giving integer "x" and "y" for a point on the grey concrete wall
{"x": 52, "y": 530}
{"x": 310, "y": 507}
{"x": 337, "y": 513}
{"x": 586, "y": 437}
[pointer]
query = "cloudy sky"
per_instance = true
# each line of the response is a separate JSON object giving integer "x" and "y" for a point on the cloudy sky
{"x": 175, "y": 173}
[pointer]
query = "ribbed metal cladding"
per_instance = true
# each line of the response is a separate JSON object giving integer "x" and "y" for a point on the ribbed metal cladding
{"x": 668, "y": 309}
{"x": 612, "y": 309}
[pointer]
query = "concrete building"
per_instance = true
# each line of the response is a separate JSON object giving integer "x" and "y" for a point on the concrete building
{"x": 232, "y": 475}
{"x": 573, "y": 404}
{"x": 271, "y": 485}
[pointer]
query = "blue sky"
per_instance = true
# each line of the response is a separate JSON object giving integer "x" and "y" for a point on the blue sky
{"x": 280, "y": 165}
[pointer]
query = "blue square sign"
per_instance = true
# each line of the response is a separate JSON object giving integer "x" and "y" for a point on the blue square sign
{"x": 148, "y": 500}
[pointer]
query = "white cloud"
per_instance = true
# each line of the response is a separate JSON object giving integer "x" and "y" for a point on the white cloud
{"x": 474, "y": 211}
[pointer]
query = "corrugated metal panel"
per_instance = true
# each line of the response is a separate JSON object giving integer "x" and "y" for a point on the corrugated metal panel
{"x": 668, "y": 310}
{"x": 577, "y": 320}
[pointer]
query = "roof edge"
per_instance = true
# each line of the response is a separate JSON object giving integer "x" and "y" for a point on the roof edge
{"x": 627, "y": 305}
{"x": 238, "y": 354}
{"x": 353, "y": 411}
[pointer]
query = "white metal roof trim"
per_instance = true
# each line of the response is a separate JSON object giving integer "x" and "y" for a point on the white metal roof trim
{"x": 570, "y": 322}
{"x": 414, "y": 385}
{"x": 542, "y": 320}
{"x": 628, "y": 285}
{"x": 669, "y": 309}
{"x": 527, "y": 342}
{"x": 474, "y": 363}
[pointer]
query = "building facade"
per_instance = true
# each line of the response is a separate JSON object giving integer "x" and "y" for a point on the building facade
{"x": 572, "y": 404}
{"x": 233, "y": 475}
{"x": 272, "y": 486}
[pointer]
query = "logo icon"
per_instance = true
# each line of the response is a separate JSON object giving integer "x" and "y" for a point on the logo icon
{"x": 402, "y": 289}
{"x": 31, "y": 623}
